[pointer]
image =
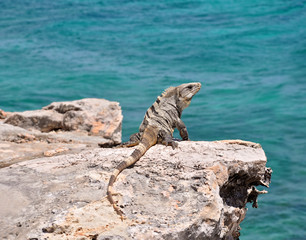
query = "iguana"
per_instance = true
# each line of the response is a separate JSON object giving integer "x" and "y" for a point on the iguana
{"x": 157, "y": 126}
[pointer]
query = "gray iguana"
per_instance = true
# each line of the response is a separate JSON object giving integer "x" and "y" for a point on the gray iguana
{"x": 157, "y": 126}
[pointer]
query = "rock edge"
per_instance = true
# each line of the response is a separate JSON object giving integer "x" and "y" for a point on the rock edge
{"x": 197, "y": 191}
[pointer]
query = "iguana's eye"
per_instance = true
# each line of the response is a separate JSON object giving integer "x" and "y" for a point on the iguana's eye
{"x": 189, "y": 87}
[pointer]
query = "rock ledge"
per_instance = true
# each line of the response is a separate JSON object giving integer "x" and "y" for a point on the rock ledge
{"x": 197, "y": 191}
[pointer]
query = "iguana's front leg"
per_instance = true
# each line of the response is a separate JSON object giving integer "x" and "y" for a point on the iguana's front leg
{"x": 166, "y": 139}
{"x": 180, "y": 125}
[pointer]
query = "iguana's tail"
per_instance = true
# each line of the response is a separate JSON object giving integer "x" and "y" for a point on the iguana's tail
{"x": 149, "y": 139}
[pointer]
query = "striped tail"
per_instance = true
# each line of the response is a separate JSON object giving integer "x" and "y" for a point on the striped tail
{"x": 149, "y": 139}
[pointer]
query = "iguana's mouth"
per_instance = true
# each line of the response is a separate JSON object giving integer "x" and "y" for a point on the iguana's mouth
{"x": 194, "y": 90}
{"x": 198, "y": 87}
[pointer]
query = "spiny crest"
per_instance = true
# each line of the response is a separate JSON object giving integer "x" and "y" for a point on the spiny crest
{"x": 169, "y": 92}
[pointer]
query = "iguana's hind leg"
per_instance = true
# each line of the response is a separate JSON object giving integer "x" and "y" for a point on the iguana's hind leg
{"x": 128, "y": 144}
{"x": 136, "y": 137}
{"x": 134, "y": 140}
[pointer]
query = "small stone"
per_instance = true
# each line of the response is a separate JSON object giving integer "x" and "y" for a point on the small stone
{"x": 3, "y": 115}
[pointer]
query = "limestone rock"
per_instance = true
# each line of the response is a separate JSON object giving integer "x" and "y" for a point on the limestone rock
{"x": 72, "y": 126}
{"x": 97, "y": 117}
{"x": 196, "y": 191}
{"x": 45, "y": 121}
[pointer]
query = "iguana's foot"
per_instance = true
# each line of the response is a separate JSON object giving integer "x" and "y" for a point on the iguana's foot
{"x": 171, "y": 143}
{"x": 128, "y": 144}
{"x": 107, "y": 144}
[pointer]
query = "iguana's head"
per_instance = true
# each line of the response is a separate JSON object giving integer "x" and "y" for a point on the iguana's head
{"x": 185, "y": 92}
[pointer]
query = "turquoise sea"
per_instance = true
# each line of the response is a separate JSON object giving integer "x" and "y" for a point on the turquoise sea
{"x": 250, "y": 57}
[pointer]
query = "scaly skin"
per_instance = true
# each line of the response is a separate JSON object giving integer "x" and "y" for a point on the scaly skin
{"x": 157, "y": 127}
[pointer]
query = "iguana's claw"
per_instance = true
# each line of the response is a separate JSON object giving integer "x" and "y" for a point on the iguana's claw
{"x": 173, "y": 144}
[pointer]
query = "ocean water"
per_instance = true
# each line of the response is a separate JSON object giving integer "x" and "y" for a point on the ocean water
{"x": 250, "y": 57}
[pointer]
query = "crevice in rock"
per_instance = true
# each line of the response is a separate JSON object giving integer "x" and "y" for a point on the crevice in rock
{"x": 240, "y": 188}
{"x": 63, "y": 108}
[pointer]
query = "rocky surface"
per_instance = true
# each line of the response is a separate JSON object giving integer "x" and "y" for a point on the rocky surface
{"x": 61, "y": 127}
{"x": 196, "y": 191}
